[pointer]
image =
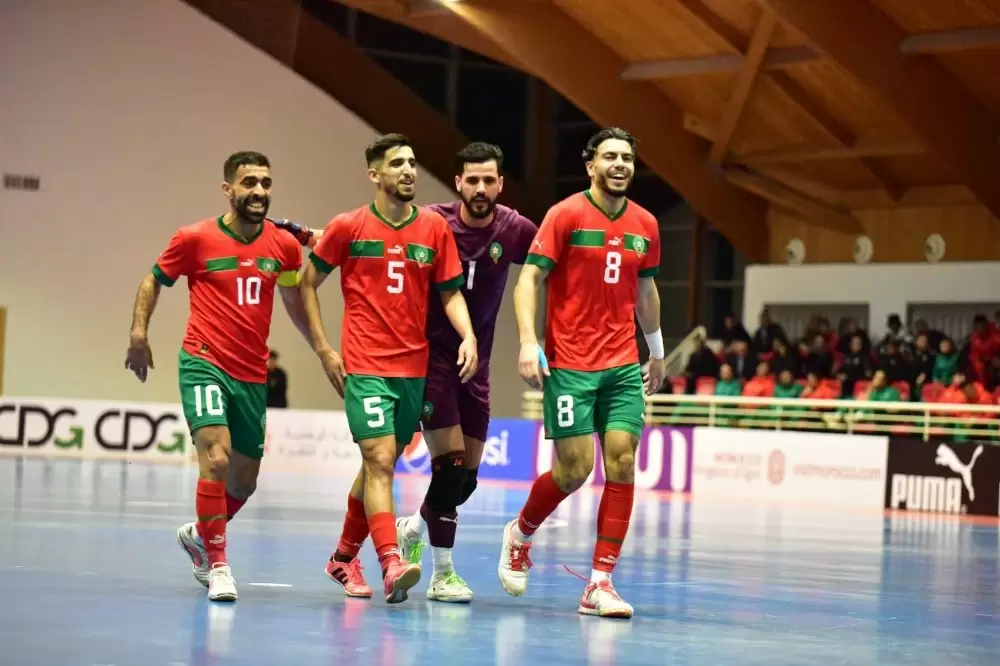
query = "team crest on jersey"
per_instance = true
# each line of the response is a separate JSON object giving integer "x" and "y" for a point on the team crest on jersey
{"x": 428, "y": 409}
{"x": 496, "y": 251}
{"x": 639, "y": 245}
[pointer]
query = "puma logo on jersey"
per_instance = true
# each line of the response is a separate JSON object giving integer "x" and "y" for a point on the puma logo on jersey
{"x": 396, "y": 249}
{"x": 615, "y": 241}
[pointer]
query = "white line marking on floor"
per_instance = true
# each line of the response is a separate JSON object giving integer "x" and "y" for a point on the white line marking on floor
{"x": 270, "y": 584}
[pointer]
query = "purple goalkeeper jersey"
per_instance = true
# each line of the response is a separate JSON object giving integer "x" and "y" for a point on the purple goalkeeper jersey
{"x": 486, "y": 256}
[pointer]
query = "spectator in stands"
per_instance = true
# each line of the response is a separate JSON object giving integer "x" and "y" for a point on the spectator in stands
{"x": 819, "y": 390}
{"x": 831, "y": 336}
{"x": 277, "y": 382}
{"x": 762, "y": 385}
{"x": 787, "y": 387}
{"x": 945, "y": 363}
{"x": 743, "y": 364}
{"x": 984, "y": 344}
{"x": 766, "y": 334}
{"x": 786, "y": 359}
{"x": 731, "y": 331}
{"x": 819, "y": 360}
{"x": 921, "y": 365}
{"x": 728, "y": 384}
{"x": 848, "y": 329}
{"x": 891, "y": 362}
{"x": 934, "y": 337}
{"x": 880, "y": 390}
{"x": 702, "y": 363}
{"x": 855, "y": 367}
{"x": 896, "y": 333}
{"x": 993, "y": 375}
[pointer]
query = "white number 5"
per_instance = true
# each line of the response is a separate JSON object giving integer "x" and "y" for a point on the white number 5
{"x": 396, "y": 273}
{"x": 373, "y": 407}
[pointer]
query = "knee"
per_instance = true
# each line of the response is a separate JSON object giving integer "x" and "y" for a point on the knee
{"x": 379, "y": 462}
{"x": 447, "y": 482}
{"x": 469, "y": 487}
{"x": 215, "y": 461}
{"x": 619, "y": 462}
{"x": 573, "y": 468}
{"x": 241, "y": 489}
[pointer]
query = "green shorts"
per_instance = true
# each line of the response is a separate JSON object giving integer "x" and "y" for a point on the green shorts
{"x": 380, "y": 406}
{"x": 580, "y": 403}
{"x": 210, "y": 397}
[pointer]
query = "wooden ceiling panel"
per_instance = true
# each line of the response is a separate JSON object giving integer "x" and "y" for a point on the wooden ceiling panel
{"x": 931, "y": 15}
{"x": 916, "y": 170}
{"x": 977, "y": 70}
{"x": 743, "y": 17}
{"x": 636, "y": 31}
{"x": 842, "y": 175}
{"x": 846, "y": 99}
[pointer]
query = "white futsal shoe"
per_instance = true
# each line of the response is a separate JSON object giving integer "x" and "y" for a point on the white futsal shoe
{"x": 602, "y": 599}
{"x": 187, "y": 537}
{"x": 448, "y": 586}
{"x": 221, "y": 586}
{"x": 409, "y": 538}
{"x": 514, "y": 562}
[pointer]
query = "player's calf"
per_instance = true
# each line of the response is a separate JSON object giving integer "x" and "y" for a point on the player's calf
{"x": 214, "y": 451}
{"x": 615, "y": 510}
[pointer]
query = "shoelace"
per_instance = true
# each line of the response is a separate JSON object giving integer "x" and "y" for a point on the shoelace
{"x": 520, "y": 558}
{"x": 452, "y": 578}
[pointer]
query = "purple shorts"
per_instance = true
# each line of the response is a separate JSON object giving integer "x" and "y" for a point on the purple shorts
{"x": 448, "y": 402}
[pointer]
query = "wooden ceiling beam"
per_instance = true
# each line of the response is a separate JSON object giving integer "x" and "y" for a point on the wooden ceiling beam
{"x": 787, "y": 57}
{"x": 923, "y": 92}
{"x": 794, "y": 92}
{"x": 541, "y": 35}
{"x": 741, "y": 91}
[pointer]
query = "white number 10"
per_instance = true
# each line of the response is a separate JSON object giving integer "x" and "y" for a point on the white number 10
{"x": 248, "y": 291}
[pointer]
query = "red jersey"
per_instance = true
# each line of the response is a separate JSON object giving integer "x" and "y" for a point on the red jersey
{"x": 231, "y": 281}
{"x": 594, "y": 262}
{"x": 386, "y": 274}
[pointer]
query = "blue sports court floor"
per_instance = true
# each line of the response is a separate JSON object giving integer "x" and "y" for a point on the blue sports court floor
{"x": 90, "y": 574}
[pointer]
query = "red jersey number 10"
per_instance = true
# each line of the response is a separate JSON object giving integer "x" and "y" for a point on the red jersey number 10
{"x": 248, "y": 290}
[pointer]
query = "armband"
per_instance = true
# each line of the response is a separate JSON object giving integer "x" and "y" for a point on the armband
{"x": 654, "y": 341}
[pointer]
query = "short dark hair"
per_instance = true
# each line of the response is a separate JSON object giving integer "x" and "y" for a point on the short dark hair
{"x": 604, "y": 135}
{"x": 243, "y": 158}
{"x": 383, "y": 144}
{"x": 478, "y": 152}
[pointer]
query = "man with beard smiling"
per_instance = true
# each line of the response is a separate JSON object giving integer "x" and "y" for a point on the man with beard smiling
{"x": 599, "y": 252}
{"x": 233, "y": 263}
{"x": 390, "y": 253}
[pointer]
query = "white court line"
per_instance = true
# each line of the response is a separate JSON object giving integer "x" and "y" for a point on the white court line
{"x": 269, "y": 584}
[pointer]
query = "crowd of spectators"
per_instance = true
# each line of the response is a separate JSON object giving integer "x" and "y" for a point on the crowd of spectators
{"x": 918, "y": 364}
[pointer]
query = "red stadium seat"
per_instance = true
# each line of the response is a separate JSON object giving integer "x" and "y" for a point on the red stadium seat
{"x": 904, "y": 390}
{"x": 705, "y": 386}
{"x": 860, "y": 387}
{"x": 931, "y": 391}
{"x": 679, "y": 384}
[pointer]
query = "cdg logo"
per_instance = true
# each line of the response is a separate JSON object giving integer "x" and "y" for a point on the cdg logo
{"x": 660, "y": 464}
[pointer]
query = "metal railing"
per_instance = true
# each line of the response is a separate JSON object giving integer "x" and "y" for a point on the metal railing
{"x": 924, "y": 420}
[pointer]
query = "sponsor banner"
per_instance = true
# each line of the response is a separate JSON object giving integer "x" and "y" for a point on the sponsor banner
{"x": 806, "y": 467}
{"x": 943, "y": 477}
{"x": 663, "y": 460}
{"x": 310, "y": 440}
{"x": 509, "y": 453}
{"x": 60, "y": 427}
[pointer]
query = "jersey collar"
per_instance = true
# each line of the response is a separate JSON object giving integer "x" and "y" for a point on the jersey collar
{"x": 605, "y": 213}
{"x": 413, "y": 215}
{"x": 229, "y": 232}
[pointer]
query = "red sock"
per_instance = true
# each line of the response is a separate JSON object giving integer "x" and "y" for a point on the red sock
{"x": 612, "y": 524}
{"x": 233, "y": 505}
{"x": 355, "y": 531}
{"x": 210, "y": 507}
{"x": 383, "y": 527}
{"x": 543, "y": 499}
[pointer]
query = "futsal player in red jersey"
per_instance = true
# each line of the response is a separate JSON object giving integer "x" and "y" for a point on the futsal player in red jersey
{"x": 390, "y": 253}
{"x": 599, "y": 252}
{"x": 233, "y": 263}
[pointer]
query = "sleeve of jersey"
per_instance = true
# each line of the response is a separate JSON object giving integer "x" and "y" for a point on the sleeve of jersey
{"x": 548, "y": 243}
{"x": 290, "y": 265}
{"x": 328, "y": 251}
{"x": 173, "y": 262}
{"x": 448, "y": 267}
{"x": 650, "y": 266}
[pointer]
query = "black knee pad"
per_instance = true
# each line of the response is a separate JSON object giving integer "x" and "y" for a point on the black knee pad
{"x": 447, "y": 482}
{"x": 471, "y": 481}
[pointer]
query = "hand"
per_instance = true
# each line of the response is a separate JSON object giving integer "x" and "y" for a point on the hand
{"x": 529, "y": 365}
{"x": 653, "y": 378}
{"x": 304, "y": 235}
{"x": 468, "y": 358}
{"x": 333, "y": 365}
{"x": 139, "y": 358}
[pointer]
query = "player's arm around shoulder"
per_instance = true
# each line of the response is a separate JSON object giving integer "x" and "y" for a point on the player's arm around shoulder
{"x": 449, "y": 278}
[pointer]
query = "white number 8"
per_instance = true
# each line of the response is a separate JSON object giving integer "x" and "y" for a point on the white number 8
{"x": 612, "y": 268}
{"x": 564, "y": 411}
